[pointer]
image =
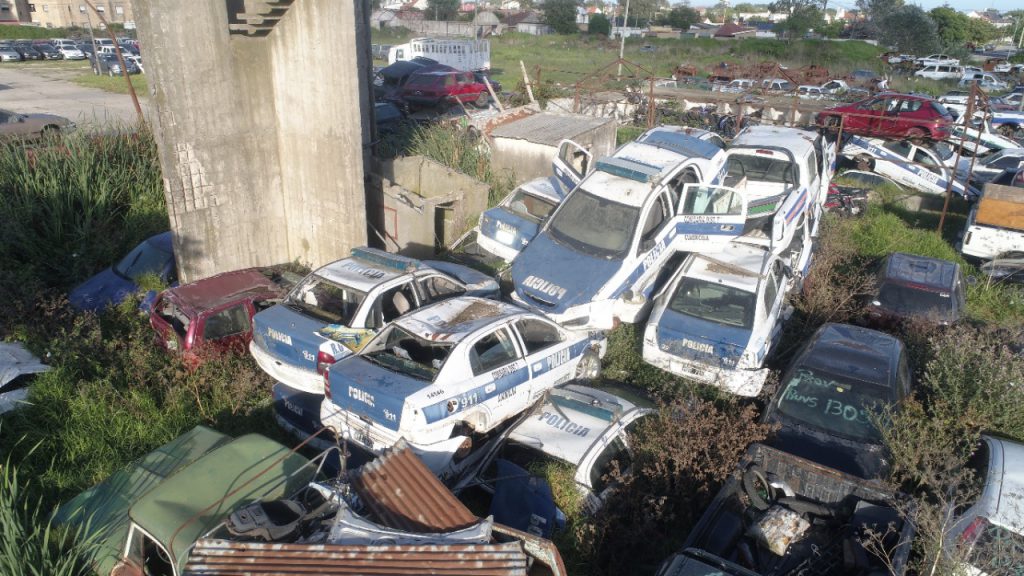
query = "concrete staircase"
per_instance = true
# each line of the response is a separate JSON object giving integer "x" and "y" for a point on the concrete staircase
{"x": 256, "y": 17}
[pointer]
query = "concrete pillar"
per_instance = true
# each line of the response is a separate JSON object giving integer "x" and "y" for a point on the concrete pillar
{"x": 262, "y": 139}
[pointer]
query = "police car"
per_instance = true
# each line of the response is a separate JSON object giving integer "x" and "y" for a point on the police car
{"x": 980, "y": 138}
{"x": 508, "y": 227}
{"x": 447, "y": 375}
{"x": 580, "y": 426}
{"x": 596, "y": 258}
{"x": 908, "y": 164}
{"x": 335, "y": 310}
{"x": 719, "y": 317}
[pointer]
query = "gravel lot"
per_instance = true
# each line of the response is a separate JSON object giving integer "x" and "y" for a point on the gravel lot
{"x": 34, "y": 89}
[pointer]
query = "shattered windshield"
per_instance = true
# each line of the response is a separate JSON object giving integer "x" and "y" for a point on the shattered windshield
{"x": 714, "y": 302}
{"x": 595, "y": 226}
{"x": 831, "y": 404}
{"x": 406, "y": 353}
{"x": 144, "y": 259}
{"x": 529, "y": 206}
{"x": 324, "y": 300}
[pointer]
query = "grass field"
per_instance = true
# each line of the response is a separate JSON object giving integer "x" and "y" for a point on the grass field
{"x": 41, "y": 65}
{"x": 112, "y": 84}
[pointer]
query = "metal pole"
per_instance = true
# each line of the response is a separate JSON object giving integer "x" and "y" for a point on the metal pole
{"x": 952, "y": 171}
{"x": 120, "y": 60}
{"x": 622, "y": 39}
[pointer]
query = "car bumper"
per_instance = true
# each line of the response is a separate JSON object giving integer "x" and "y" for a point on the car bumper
{"x": 736, "y": 381}
{"x": 298, "y": 378}
{"x": 492, "y": 246}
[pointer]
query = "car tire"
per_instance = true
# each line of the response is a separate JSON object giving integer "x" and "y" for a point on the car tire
{"x": 49, "y": 132}
{"x": 589, "y": 367}
{"x": 757, "y": 488}
{"x": 832, "y": 122}
{"x": 865, "y": 162}
{"x": 482, "y": 100}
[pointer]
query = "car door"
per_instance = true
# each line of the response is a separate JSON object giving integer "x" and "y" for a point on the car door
{"x": 709, "y": 217}
{"x": 549, "y": 352}
{"x": 866, "y": 116}
{"x": 773, "y": 299}
{"x": 929, "y": 168}
{"x": 229, "y": 328}
{"x": 572, "y": 163}
{"x": 500, "y": 386}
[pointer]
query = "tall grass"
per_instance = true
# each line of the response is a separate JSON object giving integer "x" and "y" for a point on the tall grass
{"x": 29, "y": 544}
{"x": 456, "y": 148}
{"x": 71, "y": 205}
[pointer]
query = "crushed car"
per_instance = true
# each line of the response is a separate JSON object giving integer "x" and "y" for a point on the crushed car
{"x": 448, "y": 376}
{"x": 336, "y": 309}
{"x": 994, "y": 227}
{"x": 911, "y": 287}
{"x": 18, "y": 367}
{"x": 508, "y": 227}
{"x": 155, "y": 255}
{"x": 719, "y": 318}
{"x": 598, "y": 255}
{"x": 909, "y": 164}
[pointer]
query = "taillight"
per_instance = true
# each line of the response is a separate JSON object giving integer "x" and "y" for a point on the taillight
{"x": 973, "y": 530}
{"x": 323, "y": 361}
{"x": 327, "y": 382}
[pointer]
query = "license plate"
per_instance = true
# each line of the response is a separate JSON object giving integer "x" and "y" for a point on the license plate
{"x": 505, "y": 237}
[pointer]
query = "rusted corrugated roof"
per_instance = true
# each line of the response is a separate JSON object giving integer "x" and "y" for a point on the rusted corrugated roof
{"x": 222, "y": 558}
{"x": 547, "y": 128}
{"x": 400, "y": 492}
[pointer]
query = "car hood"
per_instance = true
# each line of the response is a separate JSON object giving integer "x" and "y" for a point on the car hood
{"x": 15, "y": 360}
{"x": 701, "y": 340}
{"x": 860, "y": 459}
{"x": 47, "y": 118}
{"x": 101, "y": 290}
{"x": 555, "y": 277}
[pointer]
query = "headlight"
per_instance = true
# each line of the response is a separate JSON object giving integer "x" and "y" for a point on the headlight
{"x": 582, "y": 320}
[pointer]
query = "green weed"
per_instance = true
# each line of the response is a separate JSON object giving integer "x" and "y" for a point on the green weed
{"x": 113, "y": 83}
{"x": 455, "y": 148}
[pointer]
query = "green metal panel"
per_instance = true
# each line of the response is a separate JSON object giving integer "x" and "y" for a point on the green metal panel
{"x": 101, "y": 512}
{"x": 199, "y": 497}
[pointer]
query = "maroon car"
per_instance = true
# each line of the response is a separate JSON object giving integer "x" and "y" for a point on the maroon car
{"x": 214, "y": 315}
{"x": 433, "y": 87}
{"x": 891, "y": 116}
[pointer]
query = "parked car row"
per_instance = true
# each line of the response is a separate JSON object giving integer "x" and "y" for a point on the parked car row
{"x": 64, "y": 49}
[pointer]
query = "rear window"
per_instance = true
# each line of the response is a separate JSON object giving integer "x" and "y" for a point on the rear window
{"x": 942, "y": 110}
{"x": 832, "y": 404}
{"x": 761, "y": 169}
{"x": 530, "y": 207}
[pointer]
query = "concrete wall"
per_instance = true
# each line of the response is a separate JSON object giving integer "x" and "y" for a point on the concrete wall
{"x": 528, "y": 160}
{"x": 261, "y": 139}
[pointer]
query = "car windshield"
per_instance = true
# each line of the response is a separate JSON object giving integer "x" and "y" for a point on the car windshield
{"x": 760, "y": 169}
{"x": 942, "y": 150}
{"x": 594, "y": 225}
{"x": 915, "y": 301}
{"x": 320, "y": 298}
{"x": 406, "y": 353}
{"x": 833, "y": 404}
{"x": 529, "y": 206}
{"x": 144, "y": 259}
{"x": 714, "y": 302}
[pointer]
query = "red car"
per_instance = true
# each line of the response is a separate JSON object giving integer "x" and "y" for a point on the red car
{"x": 892, "y": 116}
{"x": 214, "y": 315}
{"x": 433, "y": 87}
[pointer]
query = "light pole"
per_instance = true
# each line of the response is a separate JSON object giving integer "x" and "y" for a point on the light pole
{"x": 622, "y": 38}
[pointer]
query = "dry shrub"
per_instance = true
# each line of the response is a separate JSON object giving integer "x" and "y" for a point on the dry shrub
{"x": 681, "y": 457}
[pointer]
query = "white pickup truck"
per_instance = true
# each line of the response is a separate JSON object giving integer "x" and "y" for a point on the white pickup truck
{"x": 995, "y": 224}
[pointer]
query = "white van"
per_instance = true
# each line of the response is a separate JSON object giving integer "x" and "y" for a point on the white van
{"x": 941, "y": 72}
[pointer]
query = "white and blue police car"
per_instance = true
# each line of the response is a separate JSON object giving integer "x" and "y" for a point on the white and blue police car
{"x": 445, "y": 376}
{"x": 910, "y": 165}
{"x": 719, "y": 317}
{"x": 508, "y": 227}
{"x": 335, "y": 310}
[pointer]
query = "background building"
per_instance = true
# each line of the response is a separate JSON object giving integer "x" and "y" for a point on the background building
{"x": 68, "y": 13}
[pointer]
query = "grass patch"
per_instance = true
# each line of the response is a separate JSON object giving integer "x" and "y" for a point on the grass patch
{"x": 455, "y": 147}
{"x": 36, "y": 65}
{"x": 624, "y": 134}
{"x": 112, "y": 83}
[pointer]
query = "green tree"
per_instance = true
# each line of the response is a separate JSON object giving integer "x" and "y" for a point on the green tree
{"x": 561, "y": 15}
{"x": 442, "y": 9}
{"x": 878, "y": 10}
{"x": 952, "y": 26}
{"x": 802, "y": 18}
{"x": 683, "y": 17}
{"x": 745, "y": 8}
{"x": 980, "y": 31}
{"x": 599, "y": 24}
{"x": 910, "y": 29}
{"x": 831, "y": 29}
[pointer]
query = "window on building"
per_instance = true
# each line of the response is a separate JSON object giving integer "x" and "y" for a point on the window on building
{"x": 119, "y": 10}
{"x": 101, "y": 9}
{"x": 46, "y": 8}
{"x": 31, "y": 7}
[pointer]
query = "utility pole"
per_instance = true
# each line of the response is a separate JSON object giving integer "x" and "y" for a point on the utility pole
{"x": 622, "y": 38}
{"x": 120, "y": 59}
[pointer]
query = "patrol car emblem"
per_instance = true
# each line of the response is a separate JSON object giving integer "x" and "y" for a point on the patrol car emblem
{"x": 545, "y": 287}
{"x": 698, "y": 346}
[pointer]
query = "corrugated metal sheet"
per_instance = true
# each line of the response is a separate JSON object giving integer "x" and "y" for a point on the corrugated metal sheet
{"x": 549, "y": 129}
{"x": 223, "y": 558}
{"x": 400, "y": 492}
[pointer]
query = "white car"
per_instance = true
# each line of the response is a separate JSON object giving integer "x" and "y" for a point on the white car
{"x": 984, "y": 81}
{"x": 586, "y": 428}
{"x": 720, "y": 316}
{"x": 598, "y": 255}
{"x": 70, "y": 52}
{"x": 940, "y": 72}
{"x": 137, "y": 60}
{"x": 994, "y": 164}
{"x": 810, "y": 92}
{"x": 989, "y": 535}
{"x": 937, "y": 60}
{"x": 980, "y": 138}
{"x": 17, "y": 365}
{"x": 908, "y": 164}
{"x": 445, "y": 376}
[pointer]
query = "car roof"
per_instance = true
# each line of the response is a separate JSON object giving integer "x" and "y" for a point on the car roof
{"x": 549, "y": 188}
{"x": 860, "y": 353}
{"x": 164, "y": 241}
{"x": 1007, "y": 485}
{"x": 215, "y": 291}
{"x": 799, "y": 142}
{"x": 690, "y": 142}
{"x": 367, "y": 268}
{"x": 930, "y": 273}
{"x": 454, "y": 319}
{"x": 570, "y": 420}
{"x": 740, "y": 266}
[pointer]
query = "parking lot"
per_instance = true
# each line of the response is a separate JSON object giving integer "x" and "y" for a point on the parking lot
{"x": 48, "y": 89}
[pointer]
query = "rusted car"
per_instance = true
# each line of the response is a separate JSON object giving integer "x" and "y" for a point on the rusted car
{"x": 31, "y": 126}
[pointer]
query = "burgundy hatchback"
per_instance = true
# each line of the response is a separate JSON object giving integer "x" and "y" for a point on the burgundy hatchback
{"x": 436, "y": 87}
{"x": 214, "y": 315}
{"x": 892, "y": 116}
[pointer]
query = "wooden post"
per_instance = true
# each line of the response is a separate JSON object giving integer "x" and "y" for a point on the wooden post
{"x": 526, "y": 79}
{"x": 494, "y": 96}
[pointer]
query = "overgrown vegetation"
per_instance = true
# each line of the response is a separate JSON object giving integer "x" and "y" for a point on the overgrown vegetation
{"x": 460, "y": 149}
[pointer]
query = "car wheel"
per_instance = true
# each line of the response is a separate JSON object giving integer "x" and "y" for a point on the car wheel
{"x": 917, "y": 136}
{"x": 865, "y": 162}
{"x": 482, "y": 100}
{"x": 589, "y": 367}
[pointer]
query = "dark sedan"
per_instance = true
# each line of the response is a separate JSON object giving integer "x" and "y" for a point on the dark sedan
{"x": 831, "y": 393}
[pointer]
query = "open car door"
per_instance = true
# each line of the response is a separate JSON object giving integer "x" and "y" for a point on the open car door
{"x": 709, "y": 217}
{"x": 572, "y": 164}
